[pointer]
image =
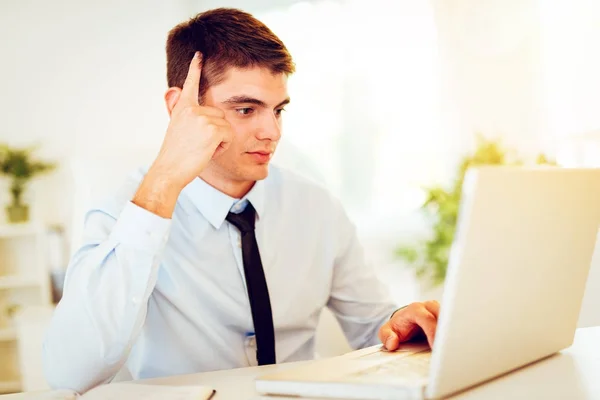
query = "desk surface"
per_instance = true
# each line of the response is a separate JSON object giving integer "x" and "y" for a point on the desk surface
{"x": 571, "y": 374}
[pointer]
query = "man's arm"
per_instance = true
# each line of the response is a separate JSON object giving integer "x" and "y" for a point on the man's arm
{"x": 362, "y": 303}
{"x": 110, "y": 279}
{"x": 358, "y": 299}
{"x": 108, "y": 283}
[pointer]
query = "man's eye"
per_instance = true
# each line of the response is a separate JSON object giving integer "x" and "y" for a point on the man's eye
{"x": 244, "y": 111}
{"x": 279, "y": 111}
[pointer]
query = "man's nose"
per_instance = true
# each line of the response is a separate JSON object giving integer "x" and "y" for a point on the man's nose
{"x": 270, "y": 129}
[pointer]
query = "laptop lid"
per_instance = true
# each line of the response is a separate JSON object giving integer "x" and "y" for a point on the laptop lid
{"x": 517, "y": 271}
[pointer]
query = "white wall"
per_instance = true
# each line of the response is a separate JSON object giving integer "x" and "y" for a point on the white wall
{"x": 79, "y": 77}
{"x": 90, "y": 76}
{"x": 492, "y": 71}
{"x": 251, "y": 6}
{"x": 571, "y": 56}
{"x": 85, "y": 77}
{"x": 526, "y": 70}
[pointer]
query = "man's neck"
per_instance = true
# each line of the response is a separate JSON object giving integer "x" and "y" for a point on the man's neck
{"x": 232, "y": 188}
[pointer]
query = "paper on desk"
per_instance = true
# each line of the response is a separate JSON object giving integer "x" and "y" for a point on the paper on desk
{"x": 49, "y": 395}
{"x": 133, "y": 391}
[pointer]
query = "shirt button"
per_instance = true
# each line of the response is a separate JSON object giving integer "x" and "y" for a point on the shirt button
{"x": 154, "y": 234}
{"x": 239, "y": 242}
{"x": 135, "y": 300}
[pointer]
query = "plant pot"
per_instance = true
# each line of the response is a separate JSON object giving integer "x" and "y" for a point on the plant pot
{"x": 17, "y": 213}
{"x": 3, "y": 312}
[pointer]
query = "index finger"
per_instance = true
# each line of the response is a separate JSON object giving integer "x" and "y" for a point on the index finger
{"x": 433, "y": 307}
{"x": 413, "y": 319}
{"x": 428, "y": 323}
{"x": 191, "y": 86}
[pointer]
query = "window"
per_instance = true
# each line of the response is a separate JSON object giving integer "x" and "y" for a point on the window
{"x": 364, "y": 117}
{"x": 571, "y": 61}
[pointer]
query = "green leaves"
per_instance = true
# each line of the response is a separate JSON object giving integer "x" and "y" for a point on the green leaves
{"x": 410, "y": 254}
{"x": 429, "y": 257}
{"x": 17, "y": 163}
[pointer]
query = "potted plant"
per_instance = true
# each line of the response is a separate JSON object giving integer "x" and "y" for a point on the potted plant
{"x": 7, "y": 312}
{"x": 429, "y": 257}
{"x": 20, "y": 167}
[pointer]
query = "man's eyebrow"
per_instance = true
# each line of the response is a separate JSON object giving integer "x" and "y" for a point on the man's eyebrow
{"x": 251, "y": 100}
{"x": 283, "y": 103}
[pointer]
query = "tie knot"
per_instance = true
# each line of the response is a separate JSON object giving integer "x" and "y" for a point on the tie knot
{"x": 245, "y": 220}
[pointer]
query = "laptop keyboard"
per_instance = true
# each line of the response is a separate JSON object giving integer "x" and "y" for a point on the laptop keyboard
{"x": 413, "y": 366}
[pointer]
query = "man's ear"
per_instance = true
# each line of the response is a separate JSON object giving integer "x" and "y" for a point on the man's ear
{"x": 171, "y": 97}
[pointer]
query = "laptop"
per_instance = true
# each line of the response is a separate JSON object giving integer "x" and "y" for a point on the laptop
{"x": 516, "y": 277}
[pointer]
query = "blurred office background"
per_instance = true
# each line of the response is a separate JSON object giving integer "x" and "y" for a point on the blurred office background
{"x": 387, "y": 99}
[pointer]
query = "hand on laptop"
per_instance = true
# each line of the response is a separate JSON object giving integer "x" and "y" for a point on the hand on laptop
{"x": 408, "y": 322}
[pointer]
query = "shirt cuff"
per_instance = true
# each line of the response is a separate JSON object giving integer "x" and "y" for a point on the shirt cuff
{"x": 141, "y": 229}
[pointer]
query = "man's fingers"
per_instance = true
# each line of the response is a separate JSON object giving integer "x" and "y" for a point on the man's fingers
{"x": 191, "y": 86}
{"x": 413, "y": 318}
{"x": 221, "y": 148}
{"x": 428, "y": 323}
{"x": 433, "y": 307}
{"x": 224, "y": 127}
{"x": 410, "y": 320}
{"x": 211, "y": 111}
{"x": 218, "y": 121}
{"x": 188, "y": 99}
{"x": 224, "y": 135}
{"x": 228, "y": 135}
{"x": 389, "y": 338}
{"x": 226, "y": 138}
{"x": 392, "y": 342}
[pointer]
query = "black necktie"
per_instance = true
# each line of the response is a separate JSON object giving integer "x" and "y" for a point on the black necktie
{"x": 258, "y": 292}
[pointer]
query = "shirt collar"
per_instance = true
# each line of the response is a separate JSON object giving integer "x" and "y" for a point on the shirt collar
{"x": 214, "y": 204}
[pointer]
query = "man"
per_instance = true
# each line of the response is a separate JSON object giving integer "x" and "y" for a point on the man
{"x": 210, "y": 258}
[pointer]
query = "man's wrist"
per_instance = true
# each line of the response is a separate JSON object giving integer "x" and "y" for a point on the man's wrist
{"x": 157, "y": 194}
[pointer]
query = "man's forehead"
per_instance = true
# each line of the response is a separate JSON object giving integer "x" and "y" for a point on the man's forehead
{"x": 232, "y": 72}
{"x": 253, "y": 81}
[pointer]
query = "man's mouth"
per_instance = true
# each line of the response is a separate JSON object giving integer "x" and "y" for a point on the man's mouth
{"x": 261, "y": 156}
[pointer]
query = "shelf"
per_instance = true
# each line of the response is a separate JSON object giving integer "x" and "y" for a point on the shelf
{"x": 18, "y": 230}
{"x": 10, "y": 386}
{"x": 8, "y": 334}
{"x": 16, "y": 281}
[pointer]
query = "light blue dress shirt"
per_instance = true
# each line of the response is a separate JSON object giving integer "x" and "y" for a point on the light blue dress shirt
{"x": 168, "y": 296}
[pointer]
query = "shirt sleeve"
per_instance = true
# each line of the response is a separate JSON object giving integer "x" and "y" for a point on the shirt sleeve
{"x": 108, "y": 283}
{"x": 359, "y": 300}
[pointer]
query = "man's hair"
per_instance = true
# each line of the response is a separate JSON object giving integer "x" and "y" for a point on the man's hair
{"x": 227, "y": 38}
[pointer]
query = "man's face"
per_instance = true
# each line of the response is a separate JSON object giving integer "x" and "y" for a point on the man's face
{"x": 253, "y": 100}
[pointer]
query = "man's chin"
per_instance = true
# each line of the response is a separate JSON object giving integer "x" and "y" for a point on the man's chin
{"x": 251, "y": 173}
{"x": 258, "y": 172}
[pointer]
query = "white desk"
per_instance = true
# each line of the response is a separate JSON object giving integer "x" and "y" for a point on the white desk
{"x": 572, "y": 374}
